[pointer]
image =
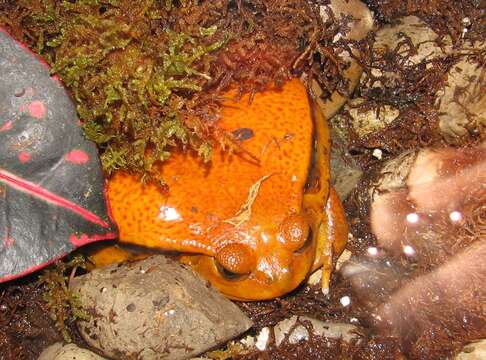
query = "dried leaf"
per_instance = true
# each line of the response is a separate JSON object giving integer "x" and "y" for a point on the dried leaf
{"x": 244, "y": 214}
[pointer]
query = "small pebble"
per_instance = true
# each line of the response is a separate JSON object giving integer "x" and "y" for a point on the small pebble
{"x": 262, "y": 339}
{"x": 377, "y": 153}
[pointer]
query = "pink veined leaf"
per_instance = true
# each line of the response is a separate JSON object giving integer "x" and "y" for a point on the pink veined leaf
{"x": 52, "y": 190}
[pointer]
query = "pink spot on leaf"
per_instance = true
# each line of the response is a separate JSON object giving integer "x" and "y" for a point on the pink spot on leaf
{"x": 6, "y": 126}
{"x": 56, "y": 78}
{"x": 37, "y": 109}
{"x": 8, "y": 242}
{"x": 24, "y": 157}
{"x": 77, "y": 156}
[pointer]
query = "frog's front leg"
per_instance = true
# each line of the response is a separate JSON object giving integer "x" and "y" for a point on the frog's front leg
{"x": 323, "y": 205}
{"x": 332, "y": 239}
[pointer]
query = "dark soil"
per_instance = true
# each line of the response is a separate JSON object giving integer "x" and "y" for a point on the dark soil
{"x": 317, "y": 347}
{"x": 25, "y": 325}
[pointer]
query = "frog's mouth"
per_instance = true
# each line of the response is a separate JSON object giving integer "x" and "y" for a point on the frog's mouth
{"x": 277, "y": 272}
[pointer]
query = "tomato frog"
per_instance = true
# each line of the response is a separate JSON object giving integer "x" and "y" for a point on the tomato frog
{"x": 254, "y": 225}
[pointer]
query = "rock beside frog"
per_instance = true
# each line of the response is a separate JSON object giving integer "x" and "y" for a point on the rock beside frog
{"x": 58, "y": 351}
{"x": 392, "y": 175}
{"x": 462, "y": 101}
{"x": 345, "y": 173}
{"x": 293, "y": 330}
{"x": 154, "y": 308}
{"x": 408, "y": 49}
{"x": 363, "y": 118}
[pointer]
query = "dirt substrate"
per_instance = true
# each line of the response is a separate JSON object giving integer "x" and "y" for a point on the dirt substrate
{"x": 25, "y": 326}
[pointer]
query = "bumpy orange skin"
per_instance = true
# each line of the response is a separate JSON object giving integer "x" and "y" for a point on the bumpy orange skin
{"x": 271, "y": 250}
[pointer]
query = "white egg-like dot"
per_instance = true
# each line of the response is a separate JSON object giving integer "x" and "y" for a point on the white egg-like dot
{"x": 455, "y": 216}
{"x": 412, "y": 218}
{"x": 408, "y": 250}
{"x": 373, "y": 251}
{"x": 345, "y": 301}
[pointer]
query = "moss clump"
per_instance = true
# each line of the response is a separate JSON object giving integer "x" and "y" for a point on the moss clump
{"x": 64, "y": 305}
{"x": 147, "y": 75}
{"x": 129, "y": 73}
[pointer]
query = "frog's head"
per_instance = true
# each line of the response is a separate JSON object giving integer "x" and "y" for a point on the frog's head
{"x": 260, "y": 263}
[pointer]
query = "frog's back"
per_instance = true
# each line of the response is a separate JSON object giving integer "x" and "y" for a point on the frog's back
{"x": 204, "y": 199}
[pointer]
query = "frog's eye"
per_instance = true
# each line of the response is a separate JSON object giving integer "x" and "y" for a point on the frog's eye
{"x": 294, "y": 232}
{"x": 234, "y": 260}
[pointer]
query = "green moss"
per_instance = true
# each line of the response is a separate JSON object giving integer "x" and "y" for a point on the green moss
{"x": 130, "y": 74}
{"x": 64, "y": 305}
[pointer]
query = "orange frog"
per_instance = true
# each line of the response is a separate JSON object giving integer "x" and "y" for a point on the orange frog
{"x": 254, "y": 228}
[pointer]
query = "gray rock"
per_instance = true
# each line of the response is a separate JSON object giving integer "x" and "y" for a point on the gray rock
{"x": 345, "y": 172}
{"x": 360, "y": 17}
{"x": 154, "y": 309}
{"x": 367, "y": 118}
{"x": 394, "y": 173}
{"x": 326, "y": 329}
{"x": 58, "y": 351}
